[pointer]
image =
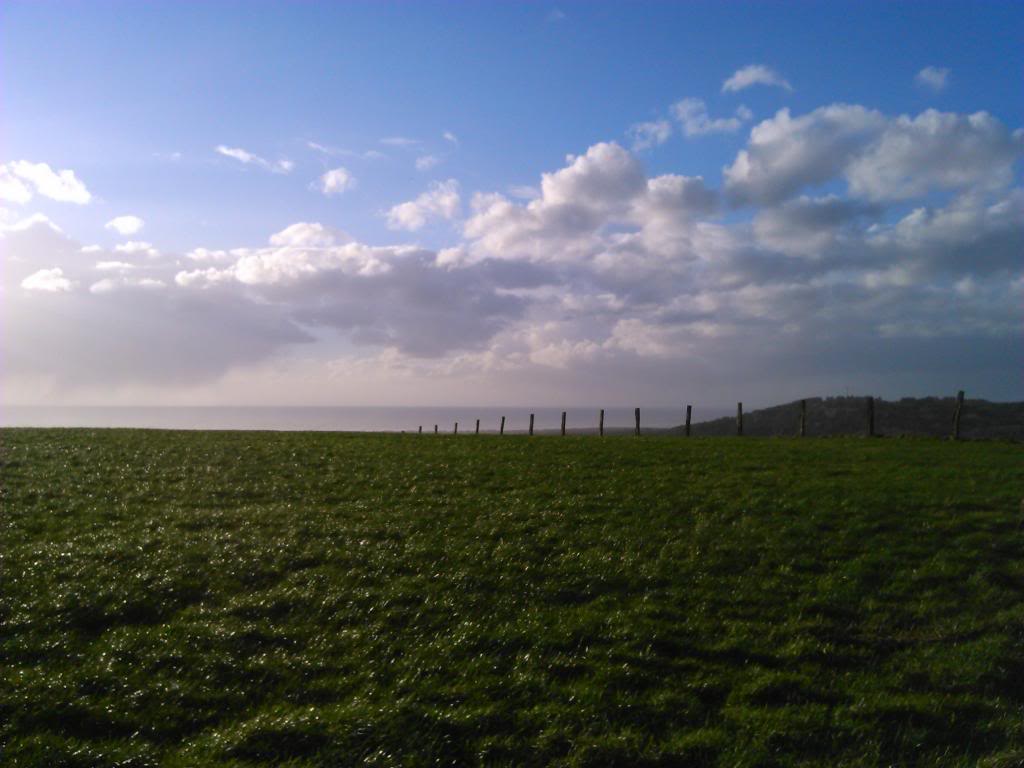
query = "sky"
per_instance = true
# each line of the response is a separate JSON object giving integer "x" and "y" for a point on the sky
{"x": 496, "y": 203}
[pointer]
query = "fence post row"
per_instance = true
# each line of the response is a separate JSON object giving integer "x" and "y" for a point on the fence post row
{"x": 803, "y": 418}
{"x": 563, "y": 423}
{"x": 956, "y": 414}
{"x": 600, "y": 423}
{"x": 871, "y": 416}
{"x": 689, "y": 412}
{"x": 739, "y": 419}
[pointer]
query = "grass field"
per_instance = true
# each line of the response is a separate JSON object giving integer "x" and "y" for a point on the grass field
{"x": 256, "y": 599}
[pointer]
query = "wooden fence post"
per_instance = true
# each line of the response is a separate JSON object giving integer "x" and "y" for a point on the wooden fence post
{"x": 689, "y": 412}
{"x": 739, "y": 419}
{"x": 531, "y": 425}
{"x": 502, "y": 430}
{"x": 435, "y": 429}
{"x": 871, "y": 416}
{"x": 477, "y": 427}
{"x": 600, "y": 423}
{"x": 456, "y": 430}
{"x": 421, "y": 430}
{"x": 563, "y": 423}
{"x": 636, "y": 415}
{"x": 956, "y": 414}
{"x": 803, "y": 418}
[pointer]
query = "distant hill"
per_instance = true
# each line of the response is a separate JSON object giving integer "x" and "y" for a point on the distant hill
{"x": 927, "y": 416}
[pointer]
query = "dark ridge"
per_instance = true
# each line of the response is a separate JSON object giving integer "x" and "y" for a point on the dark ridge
{"x": 910, "y": 416}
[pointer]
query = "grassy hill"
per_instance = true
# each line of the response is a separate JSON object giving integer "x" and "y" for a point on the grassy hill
{"x": 929, "y": 416}
{"x": 289, "y": 599}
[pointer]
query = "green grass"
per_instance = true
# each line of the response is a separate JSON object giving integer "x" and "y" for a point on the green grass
{"x": 256, "y": 599}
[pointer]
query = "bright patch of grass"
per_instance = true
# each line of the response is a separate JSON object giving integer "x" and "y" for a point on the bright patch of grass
{"x": 248, "y": 599}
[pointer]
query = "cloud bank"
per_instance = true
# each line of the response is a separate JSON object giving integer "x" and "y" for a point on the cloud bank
{"x": 841, "y": 246}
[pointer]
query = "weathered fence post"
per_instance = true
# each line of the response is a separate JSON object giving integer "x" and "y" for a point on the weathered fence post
{"x": 956, "y": 414}
{"x": 501, "y": 431}
{"x": 531, "y": 425}
{"x": 636, "y": 415}
{"x": 456, "y": 430}
{"x": 689, "y": 412}
{"x": 421, "y": 430}
{"x": 871, "y": 416}
{"x": 803, "y": 418}
{"x": 435, "y": 429}
{"x": 563, "y": 423}
{"x": 600, "y": 423}
{"x": 477, "y": 427}
{"x": 739, "y": 419}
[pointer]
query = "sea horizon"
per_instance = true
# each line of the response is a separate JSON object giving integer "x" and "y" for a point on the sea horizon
{"x": 347, "y": 418}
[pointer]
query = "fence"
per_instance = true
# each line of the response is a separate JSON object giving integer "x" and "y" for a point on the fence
{"x": 800, "y": 424}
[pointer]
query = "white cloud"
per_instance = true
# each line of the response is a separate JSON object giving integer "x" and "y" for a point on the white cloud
{"x": 114, "y": 266}
{"x": 47, "y": 280}
{"x": 935, "y": 150}
{"x": 110, "y": 284}
{"x": 693, "y": 117}
{"x": 450, "y": 137}
{"x": 92, "y": 248}
{"x": 29, "y": 222}
{"x": 125, "y": 225}
{"x": 442, "y": 200}
{"x": 20, "y": 179}
{"x": 400, "y": 141}
{"x": 137, "y": 247}
{"x": 12, "y": 188}
{"x": 426, "y": 162}
{"x": 304, "y": 234}
{"x": 650, "y": 134}
{"x": 248, "y": 158}
{"x": 934, "y": 78}
{"x": 881, "y": 158}
{"x": 336, "y": 181}
{"x": 755, "y": 74}
{"x": 785, "y": 153}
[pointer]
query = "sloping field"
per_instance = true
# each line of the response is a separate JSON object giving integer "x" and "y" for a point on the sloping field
{"x": 244, "y": 599}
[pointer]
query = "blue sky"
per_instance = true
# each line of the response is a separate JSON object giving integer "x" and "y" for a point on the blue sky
{"x": 449, "y": 100}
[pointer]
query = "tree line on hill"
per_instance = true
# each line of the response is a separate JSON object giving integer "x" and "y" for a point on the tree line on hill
{"x": 910, "y": 416}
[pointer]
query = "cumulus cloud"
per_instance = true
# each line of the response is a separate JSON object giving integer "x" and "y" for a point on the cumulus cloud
{"x": 48, "y": 281}
{"x": 881, "y": 158}
{"x": 450, "y": 138}
{"x": 693, "y": 118}
{"x": 125, "y": 225}
{"x": 141, "y": 247}
{"x": 935, "y": 150}
{"x": 602, "y": 189}
{"x": 755, "y": 74}
{"x": 20, "y": 180}
{"x": 442, "y": 200}
{"x": 335, "y": 181}
{"x": 248, "y": 158}
{"x": 650, "y": 134}
{"x": 933, "y": 78}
